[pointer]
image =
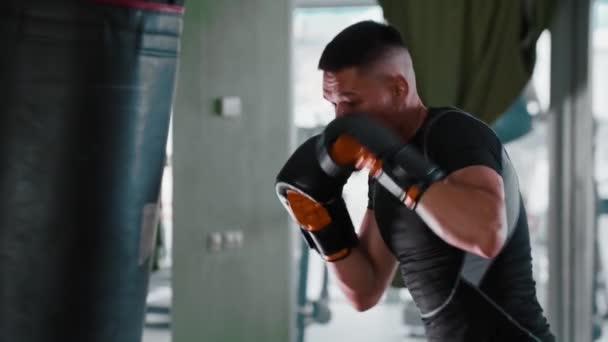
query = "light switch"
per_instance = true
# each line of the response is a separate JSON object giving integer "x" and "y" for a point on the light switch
{"x": 224, "y": 241}
{"x": 233, "y": 239}
{"x": 229, "y": 106}
{"x": 215, "y": 242}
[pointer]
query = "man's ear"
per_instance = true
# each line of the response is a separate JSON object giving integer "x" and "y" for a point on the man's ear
{"x": 401, "y": 88}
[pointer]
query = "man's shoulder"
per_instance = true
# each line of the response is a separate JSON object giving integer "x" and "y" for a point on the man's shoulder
{"x": 450, "y": 122}
{"x": 452, "y": 117}
{"x": 455, "y": 139}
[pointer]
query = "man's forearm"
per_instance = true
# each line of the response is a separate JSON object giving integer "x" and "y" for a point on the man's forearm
{"x": 357, "y": 279}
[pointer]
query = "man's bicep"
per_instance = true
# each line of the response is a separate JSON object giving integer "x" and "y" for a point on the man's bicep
{"x": 372, "y": 244}
{"x": 479, "y": 177}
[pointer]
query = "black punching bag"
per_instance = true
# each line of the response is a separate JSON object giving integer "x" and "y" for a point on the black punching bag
{"x": 86, "y": 89}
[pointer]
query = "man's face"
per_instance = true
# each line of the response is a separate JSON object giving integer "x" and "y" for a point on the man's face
{"x": 350, "y": 91}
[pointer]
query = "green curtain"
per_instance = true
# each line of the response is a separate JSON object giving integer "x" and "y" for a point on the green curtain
{"x": 474, "y": 54}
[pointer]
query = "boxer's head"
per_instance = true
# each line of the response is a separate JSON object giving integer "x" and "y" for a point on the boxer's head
{"x": 367, "y": 68}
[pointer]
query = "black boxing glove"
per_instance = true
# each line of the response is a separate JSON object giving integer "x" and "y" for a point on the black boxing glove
{"x": 314, "y": 200}
{"x": 357, "y": 139}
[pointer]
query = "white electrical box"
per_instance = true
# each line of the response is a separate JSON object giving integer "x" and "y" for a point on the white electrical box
{"x": 229, "y": 106}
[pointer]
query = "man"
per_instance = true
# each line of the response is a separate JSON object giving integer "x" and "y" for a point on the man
{"x": 460, "y": 239}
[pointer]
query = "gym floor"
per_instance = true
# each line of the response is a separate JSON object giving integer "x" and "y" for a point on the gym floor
{"x": 158, "y": 317}
{"x": 382, "y": 323}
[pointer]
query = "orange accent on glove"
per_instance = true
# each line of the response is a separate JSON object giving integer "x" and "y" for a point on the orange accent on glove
{"x": 310, "y": 214}
{"x": 338, "y": 255}
{"x": 375, "y": 167}
{"x": 411, "y": 196}
{"x": 346, "y": 150}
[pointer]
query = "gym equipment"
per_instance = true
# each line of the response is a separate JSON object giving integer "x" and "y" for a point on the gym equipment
{"x": 87, "y": 89}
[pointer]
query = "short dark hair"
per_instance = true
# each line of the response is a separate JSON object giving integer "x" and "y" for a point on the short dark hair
{"x": 360, "y": 44}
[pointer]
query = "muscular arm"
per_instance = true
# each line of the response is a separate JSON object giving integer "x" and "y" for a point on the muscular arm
{"x": 467, "y": 210}
{"x": 366, "y": 273}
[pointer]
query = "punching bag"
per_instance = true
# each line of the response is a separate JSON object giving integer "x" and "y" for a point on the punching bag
{"x": 86, "y": 89}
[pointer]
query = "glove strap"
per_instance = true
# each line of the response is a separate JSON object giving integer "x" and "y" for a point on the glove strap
{"x": 407, "y": 175}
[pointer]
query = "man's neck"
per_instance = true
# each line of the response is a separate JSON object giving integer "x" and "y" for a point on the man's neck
{"x": 415, "y": 118}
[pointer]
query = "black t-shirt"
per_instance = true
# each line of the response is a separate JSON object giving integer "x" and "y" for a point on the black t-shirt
{"x": 461, "y": 296}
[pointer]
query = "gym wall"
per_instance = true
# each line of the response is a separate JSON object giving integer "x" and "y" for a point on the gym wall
{"x": 224, "y": 169}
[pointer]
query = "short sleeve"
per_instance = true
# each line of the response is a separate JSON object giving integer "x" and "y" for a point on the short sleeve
{"x": 457, "y": 140}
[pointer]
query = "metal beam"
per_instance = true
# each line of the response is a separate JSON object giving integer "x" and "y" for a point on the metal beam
{"x": 572, "y": 204}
